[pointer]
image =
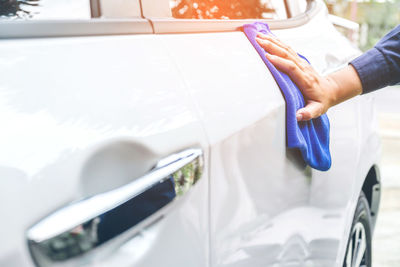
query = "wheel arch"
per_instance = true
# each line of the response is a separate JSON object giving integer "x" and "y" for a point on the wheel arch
{"x": 372, "y": 191}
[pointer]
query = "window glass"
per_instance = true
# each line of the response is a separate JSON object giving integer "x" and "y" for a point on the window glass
{"x": 44, "y": 9}
{"x": 228, "y": 9}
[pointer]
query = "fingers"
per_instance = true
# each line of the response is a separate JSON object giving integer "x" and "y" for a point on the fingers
{"x": 273, "y": 46}
{"x": 275, "y": 49}
{"x": 290, "y": 68}
{"x": 311, "y": 111}
{"x": 277, "y": 42}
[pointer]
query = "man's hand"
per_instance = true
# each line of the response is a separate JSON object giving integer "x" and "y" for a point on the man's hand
{"x": 320, "y": 92}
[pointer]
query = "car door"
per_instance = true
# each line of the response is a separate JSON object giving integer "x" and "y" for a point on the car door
{"x": 267, "y": 207}
{"x": 104, "y": 161}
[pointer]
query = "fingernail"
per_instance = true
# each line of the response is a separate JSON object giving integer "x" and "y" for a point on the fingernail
{"x": 299, "y": 116}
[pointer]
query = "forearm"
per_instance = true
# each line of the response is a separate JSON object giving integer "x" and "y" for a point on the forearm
{"x": 377, "y": 68}
{"x": 345, "y": 85}
{"x": 380, "y": 66}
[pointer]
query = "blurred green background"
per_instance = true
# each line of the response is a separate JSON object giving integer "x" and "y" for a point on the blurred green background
{"x": 376, "y": 17}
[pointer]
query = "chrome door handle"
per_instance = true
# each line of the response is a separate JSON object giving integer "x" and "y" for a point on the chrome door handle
{"x": 82, "y": 226}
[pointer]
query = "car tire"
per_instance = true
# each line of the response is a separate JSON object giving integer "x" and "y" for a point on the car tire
{"x": 358, "y": 252}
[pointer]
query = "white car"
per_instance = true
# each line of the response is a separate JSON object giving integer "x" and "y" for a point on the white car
{"x": 150, "y": 133}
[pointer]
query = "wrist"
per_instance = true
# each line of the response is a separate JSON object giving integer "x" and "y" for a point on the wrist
{"x": 333, "y": 88}
{"x": 344, "y": 84}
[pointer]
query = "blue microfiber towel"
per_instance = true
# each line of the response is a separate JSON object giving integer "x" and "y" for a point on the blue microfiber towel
{"x": 311, "y": 137}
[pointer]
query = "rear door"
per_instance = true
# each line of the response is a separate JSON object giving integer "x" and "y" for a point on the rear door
{"x": 103, "y": 159}
{"x": 267, "y": 206}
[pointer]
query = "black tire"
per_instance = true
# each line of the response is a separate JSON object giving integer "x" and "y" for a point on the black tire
{"x": 361, "y": 227}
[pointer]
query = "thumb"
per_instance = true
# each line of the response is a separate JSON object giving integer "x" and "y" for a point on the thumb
{"x": 311, "y": 111}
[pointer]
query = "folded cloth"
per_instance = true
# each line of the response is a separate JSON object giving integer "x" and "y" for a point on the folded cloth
{"x": 310, "y": 137}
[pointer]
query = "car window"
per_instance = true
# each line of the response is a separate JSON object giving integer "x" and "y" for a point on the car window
{"x": 44, "y": 9}
{"x": 224, "y": 9}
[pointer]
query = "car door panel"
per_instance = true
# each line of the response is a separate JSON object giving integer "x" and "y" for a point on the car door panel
{"x": 116, "y": 99}
{"x": 254, "y": 178}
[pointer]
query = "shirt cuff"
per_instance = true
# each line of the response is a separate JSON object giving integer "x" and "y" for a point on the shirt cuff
{"x": 372, "y": 69}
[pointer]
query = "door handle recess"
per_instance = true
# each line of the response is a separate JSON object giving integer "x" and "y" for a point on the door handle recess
{"x": 80, "y": 227}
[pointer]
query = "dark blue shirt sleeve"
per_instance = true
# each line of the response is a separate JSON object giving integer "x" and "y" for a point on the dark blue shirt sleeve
{"x": 380, "y": 66}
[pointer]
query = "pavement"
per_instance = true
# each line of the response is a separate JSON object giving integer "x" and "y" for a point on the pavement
{"x": 386, "y": 240}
